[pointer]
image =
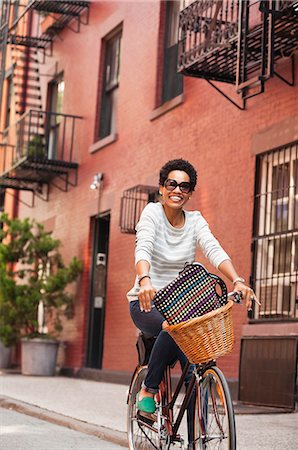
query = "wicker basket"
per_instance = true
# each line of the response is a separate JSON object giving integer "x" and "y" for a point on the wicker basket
{"x": 207, "y": 337}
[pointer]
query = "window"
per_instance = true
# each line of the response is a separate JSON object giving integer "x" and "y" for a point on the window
{"x": 172, "y": 82}
{"x": 54, "y": 119}
{"x": 8, "y": 101}
{"x": 275, "y": 240}
{"x": 111, "y": 67}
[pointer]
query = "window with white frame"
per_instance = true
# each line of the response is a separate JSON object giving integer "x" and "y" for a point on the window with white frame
{"x": 275, "y": 240}
{"x": 110, "y": 76}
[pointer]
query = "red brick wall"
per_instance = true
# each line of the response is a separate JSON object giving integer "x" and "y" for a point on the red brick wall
{"x": 206, "y": 129}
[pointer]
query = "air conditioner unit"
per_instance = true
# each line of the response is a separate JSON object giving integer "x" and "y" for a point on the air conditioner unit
{"x": 277, "y": 298}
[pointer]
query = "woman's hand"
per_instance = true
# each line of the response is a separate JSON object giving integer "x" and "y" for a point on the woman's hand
{"x": 165, "y": 325}
{"x": 146, "y": 294}
{"x": 248, "y": 294}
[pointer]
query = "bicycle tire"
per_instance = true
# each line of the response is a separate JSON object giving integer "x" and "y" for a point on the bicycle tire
{"x": 215, "y": 429}
{"x": 140, "y": 436}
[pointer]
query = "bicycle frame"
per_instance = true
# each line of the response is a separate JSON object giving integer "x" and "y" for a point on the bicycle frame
{"x": 163, "y": 424}
{"x": 167, "y": 409}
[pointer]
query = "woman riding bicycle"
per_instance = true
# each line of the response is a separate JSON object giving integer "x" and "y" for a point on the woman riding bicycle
{"x": 167, "y": 237}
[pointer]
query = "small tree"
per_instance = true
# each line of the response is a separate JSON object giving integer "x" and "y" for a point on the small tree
{"x": 32, "y": 271}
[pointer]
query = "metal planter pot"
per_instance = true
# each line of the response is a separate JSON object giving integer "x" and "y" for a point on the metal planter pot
{"x": 5, "y": 356}
{"x": 39, "y": 356}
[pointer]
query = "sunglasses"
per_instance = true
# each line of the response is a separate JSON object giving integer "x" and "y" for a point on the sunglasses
{"x": 171, "y": 185}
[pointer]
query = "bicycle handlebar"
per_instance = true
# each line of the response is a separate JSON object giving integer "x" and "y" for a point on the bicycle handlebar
{"x": 235, "y": 296}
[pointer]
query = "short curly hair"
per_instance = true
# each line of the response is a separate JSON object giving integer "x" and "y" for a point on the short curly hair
{"x": 178, "y": 164}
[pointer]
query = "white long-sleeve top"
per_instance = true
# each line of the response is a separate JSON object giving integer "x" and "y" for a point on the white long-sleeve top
{"x": 167, "y": 248}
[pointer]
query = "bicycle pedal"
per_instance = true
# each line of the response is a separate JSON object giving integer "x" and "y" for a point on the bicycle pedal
{"x": 146, "y": 417}
{"x": 178, "y": 438}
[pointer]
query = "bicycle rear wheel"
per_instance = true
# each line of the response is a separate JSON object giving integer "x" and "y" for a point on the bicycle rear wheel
{"x": 142, "y": 430}
{"x": 214, "y": 421}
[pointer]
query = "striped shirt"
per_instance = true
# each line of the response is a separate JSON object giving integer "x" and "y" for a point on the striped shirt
{"x": 167, "y": 248}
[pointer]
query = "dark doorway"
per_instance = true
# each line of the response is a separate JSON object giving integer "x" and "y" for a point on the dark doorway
{"x": 101, "y": 229}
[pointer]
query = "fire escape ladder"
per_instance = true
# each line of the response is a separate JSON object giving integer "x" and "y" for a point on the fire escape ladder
{"x": 255, "y": 56}
{"x": 43, "y": 154}
{"x": 26, "y": 78}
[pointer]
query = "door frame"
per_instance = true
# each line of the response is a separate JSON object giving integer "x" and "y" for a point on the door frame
{"x": 95, "y": 234}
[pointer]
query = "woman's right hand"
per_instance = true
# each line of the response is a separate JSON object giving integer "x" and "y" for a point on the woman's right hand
{"x": 146, "y": 294}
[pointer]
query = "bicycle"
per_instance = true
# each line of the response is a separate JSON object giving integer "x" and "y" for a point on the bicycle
{"x": 212, "y": 422}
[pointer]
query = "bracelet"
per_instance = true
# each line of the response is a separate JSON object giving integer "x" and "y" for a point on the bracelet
{"x": 141, "y": 277}
{"x": 242, "y": 280}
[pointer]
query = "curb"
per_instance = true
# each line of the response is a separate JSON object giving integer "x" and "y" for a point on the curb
{"x": 106, "y": 434}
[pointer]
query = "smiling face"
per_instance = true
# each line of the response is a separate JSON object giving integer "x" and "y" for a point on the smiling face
{"x": 174, "y": 196}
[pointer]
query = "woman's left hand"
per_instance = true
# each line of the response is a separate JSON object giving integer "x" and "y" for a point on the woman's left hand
{"x": 248, "y": 294}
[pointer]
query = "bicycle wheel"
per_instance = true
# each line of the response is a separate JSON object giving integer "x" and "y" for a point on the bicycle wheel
{"x": 214, "y": 421}
{"x": 142, "y": 430}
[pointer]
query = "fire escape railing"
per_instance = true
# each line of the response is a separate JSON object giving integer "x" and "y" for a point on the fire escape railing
{"x": 51, "y": 18}
{"x": 237, "y": 42}
{"x": 208, "y": 32}
{"x": 45, "y": 150}
{"x": 46, "y": 135}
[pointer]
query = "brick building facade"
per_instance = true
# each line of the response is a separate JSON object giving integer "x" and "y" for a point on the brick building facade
{"x": 113, "y": 74}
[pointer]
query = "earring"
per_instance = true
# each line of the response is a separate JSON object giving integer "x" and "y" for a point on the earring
{"x": 160, "y": 193}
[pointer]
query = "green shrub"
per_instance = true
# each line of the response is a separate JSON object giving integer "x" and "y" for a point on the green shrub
{"x": 32, "y": 270}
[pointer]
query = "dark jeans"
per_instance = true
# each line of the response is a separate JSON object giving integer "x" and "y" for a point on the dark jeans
{"x": 164, "y": 352}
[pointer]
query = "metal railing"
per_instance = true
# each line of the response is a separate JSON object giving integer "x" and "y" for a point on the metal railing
{"x": 204, "y": 26}
{"x": 275, "y": 236}
{"x": 236, "y": 41}
{"x": 38, "y": 21}
{"x": 46, "y": 136}
{"x": 7, "y": 157}
{"x": 133, "y": 202}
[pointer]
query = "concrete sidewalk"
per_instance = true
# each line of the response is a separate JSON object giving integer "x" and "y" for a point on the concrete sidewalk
{"x": 93, "y": 407}
{"x": 99, "y": 409}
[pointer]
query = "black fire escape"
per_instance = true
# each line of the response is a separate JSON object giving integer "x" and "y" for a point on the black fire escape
{"x": 43, "y": 149}
{"x": 237, "y": 42}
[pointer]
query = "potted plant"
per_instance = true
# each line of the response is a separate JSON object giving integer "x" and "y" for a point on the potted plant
{"x": 36, "y": 147}
{"x": 37, "y": 278}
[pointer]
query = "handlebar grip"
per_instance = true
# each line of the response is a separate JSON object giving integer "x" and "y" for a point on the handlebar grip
{"x": 235, "y": 296}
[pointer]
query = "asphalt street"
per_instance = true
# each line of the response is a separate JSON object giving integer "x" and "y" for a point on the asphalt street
{"x": 267, "y": 432}
{"x": 22, "y": 432}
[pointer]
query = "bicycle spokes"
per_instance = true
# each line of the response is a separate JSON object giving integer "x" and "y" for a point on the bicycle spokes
{"x": 214, "y": 420}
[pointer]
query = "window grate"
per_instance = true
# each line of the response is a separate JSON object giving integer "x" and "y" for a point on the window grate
{"x": 133, "y": 202}
{"x": 275, "y": 236}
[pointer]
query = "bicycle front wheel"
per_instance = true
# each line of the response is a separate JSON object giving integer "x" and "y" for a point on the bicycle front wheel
{"x": 142, "y": 431}
{"x": 214, "y": 421}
